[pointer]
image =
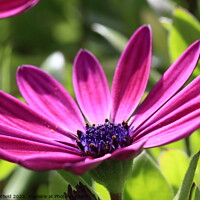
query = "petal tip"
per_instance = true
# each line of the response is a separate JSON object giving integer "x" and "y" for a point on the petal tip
{"x": 195, "y": 45}
{"x": 145, "y": 28}
{"x": 22, "y": 68}
{"x": 144, "y": 32}
{"x": 83, "y": 56}
{"x": 82, "y": 53}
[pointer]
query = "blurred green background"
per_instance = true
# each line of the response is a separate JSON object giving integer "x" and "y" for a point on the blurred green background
{"x": 50, "y": 35}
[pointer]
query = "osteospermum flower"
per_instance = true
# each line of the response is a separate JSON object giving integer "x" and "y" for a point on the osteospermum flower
{"x": 10, "y": 8}
{"x": 50, "y": 131}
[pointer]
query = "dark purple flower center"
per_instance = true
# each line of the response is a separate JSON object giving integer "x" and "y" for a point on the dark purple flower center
{"x": 104, "y": 138}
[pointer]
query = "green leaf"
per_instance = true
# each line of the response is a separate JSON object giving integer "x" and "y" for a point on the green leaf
{"x": 42, "y": 190}
{"x": 57, "y": 186}
{"x": 155, "y": 152}
{"x": 147, "y": 182}
{"x": 185, "y": 30}
{"x": 184, "y": 191}
{"x": 22, "y": 182}
{"x": 194, "y": 147}
{"x": 194, "y": 141}
{"x": 166, "y": 23}
{"x": 70, "y": 178}
{"x": 115, "y": 38}
{"x": 6, "y": 168}
{"x": 195, "y": 193}
{"x": 5, "y": 69}
{"x": 100, "y": 189}
{"x": 173, "y": 164}
{"x": 197, "y": 175}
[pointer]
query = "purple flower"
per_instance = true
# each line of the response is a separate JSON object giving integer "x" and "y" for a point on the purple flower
{"x": 50, "y": 132}
{"x": 10, "y": 8}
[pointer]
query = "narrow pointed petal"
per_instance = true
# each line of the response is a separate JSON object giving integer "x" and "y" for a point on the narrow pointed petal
{"x": 81, "y": 167}
{"x": 10, "y": 132}
{"x": 10, "y": 8}
{"x": 177, "y": 119}
{"x": 48, "y": 97}
{"x": 174, "y": 131}
{"x": 18, "y": 115}
{"x": 35, "y": 155}
{"x": 189, "y": 96}
{"x": 50, "y": 161}
{"x": 131, "y": 75}
{"x": 91, "y": 87}
{"x": 24, "y": 147}
{"x": 172, "y": 80}
{"x": 128, "y": 152}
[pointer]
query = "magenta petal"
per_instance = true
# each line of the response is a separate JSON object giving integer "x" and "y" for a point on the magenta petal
{"x": 131, "y": 75}
{"x": 128, "y": 152}
{"x": 35, "y": 155}
{"x": 42, "y": 161}
{"x": 50, "y": 161}
{"x": 172, "y": 80}
{"x": 91, "y": 87}
{"x": 177, "y": 119}
{"x": 10, "y": 8}
{"x": 23, "y": 147}
{"x": 188, "y": 97}
{"x": 48, "y": 97}
{"x": 18, "y": 115}
{"x": 13, "y": 133}
{"x": 174, "y": 131}
{"x": 80, "y": 168}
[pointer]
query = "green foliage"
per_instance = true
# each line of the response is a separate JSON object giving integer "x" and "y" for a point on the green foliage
{"x": 184, "y": 31}
{"x": 100, "y": 189}
{"x": 6, "y": 168}
{"x": 173, "y": 164}
{"x": 185, "y": 189}
{"x": 5, "y": 68}
{"x": 147, "y": 182}
{"x": 194, "y": 139}
{"x": 24, "y": 183}
{"x": 114, "y": 37}
{"x": 195, "y": 193}
{"x": 57, "y": 186}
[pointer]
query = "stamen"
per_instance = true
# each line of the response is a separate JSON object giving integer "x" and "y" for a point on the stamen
{"x": 79, "y": 133}
{"x": 103, "y": 138}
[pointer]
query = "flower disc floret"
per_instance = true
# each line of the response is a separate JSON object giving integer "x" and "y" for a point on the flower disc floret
{"x": 103, "y": 138}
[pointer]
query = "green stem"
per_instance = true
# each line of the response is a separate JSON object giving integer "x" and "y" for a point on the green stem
{"x": 116, "y": 196}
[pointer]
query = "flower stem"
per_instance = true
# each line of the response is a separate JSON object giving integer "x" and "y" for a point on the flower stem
{"x": 116, "y": 196}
